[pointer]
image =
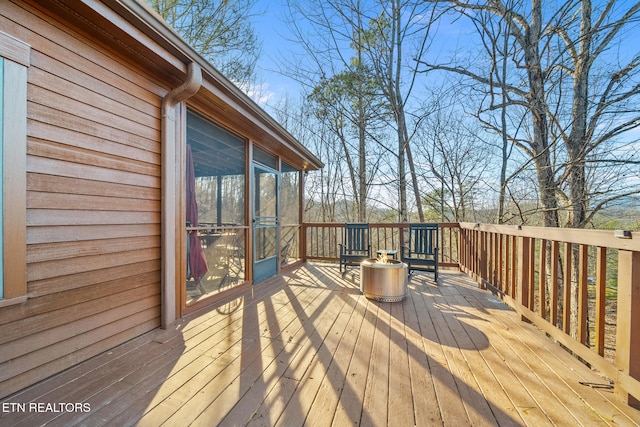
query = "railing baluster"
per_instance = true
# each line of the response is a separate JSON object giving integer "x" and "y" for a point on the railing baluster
{"x": 553, "y": 298}
{"x": 532, "y": 273}
{"x": 514, "y": 267}
{"x": 601, "y": 297}
{"x": 507, "y": 264}
{"x": 582, "y": 294}
{"x": 498, "y": 260}
{"x": 566, "y": 302}
{"x": 542, "y": 262}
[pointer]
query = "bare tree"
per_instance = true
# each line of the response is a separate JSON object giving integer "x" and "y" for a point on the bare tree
{"x": 396, "y": 40}
{"x": 219, "y": 30}
{"x": 322, "y": 187}
{"x": 603, "y": 99}
{"x": 526, "y": 89}
{"x": 350, "y": 105}
{"x": 453, "y": 154}
{"x": 566, "y": 59}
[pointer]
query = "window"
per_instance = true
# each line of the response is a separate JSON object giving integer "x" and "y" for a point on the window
{"x": 14, "y": 61}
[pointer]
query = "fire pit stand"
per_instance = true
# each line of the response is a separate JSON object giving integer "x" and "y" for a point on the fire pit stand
{"x": 385, "y": 282}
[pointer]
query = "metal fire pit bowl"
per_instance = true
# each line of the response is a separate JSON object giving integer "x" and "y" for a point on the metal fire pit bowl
{"x": 383, "y": 282}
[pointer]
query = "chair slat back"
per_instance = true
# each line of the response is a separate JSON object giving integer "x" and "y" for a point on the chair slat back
{"x": 423, "y": 238}
{"x": 356, "y": 237}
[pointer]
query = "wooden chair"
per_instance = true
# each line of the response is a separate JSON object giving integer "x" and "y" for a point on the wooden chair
{"x": 422, "y": 252}
{"x": 355, "y": 246}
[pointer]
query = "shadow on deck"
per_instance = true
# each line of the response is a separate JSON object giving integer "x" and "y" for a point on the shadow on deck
{"x": 307, "y": 348}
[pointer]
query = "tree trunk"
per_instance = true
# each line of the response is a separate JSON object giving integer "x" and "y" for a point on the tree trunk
{"x": 362, "y": 205}
{"x": 576, "y": 148}
{"x": 412, "y": 170}
{"x": 540, "y": 143}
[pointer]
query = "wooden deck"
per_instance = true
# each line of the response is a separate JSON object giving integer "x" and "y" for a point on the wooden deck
{"x": 306, "y": 348}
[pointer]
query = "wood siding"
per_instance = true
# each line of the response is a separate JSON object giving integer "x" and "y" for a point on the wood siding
{"x": 93, "y": 202}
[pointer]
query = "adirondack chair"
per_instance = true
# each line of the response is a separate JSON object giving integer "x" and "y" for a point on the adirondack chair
{"x": 355, "y": 246}
{"x": 422, "y": 252}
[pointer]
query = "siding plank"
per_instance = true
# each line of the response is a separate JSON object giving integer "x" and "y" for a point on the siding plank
{"x": 49, "y": 269}
{"x": 74, "y": 170}
{"x": 71, "y": 233}
{"x": 89, "y": 278}
{"x": 38, "y": 95}
{"x": 40, "y": 183}
{"x": 52, "y": 217}
{"x": 61, "y": 126}
{"x": 52, "y": 303}
{"x": 66, "y": 153}
{"x": 54, "y": 342}
{"x": 104, "y": 100}
{"x": 33, "y": 325}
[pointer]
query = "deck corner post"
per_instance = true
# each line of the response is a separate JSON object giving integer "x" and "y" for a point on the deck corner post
{"x": 303, "y": 242}
{"x": 628, "y": 322}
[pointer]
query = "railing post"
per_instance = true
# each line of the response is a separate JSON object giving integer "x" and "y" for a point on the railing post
{"x": 484, "y": 264}
{"x": 628, "y": 321}
{"x": 303, "y": 242}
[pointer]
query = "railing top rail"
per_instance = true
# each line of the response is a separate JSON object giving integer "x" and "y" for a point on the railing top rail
{"x": 377, "y": 224}
{"x": 603, "y": 238}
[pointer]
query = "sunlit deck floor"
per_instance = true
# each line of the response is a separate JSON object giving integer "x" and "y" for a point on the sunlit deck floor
{"x": 307, "y": 348}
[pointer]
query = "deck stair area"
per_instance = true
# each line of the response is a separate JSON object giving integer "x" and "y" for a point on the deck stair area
{"x": 306, "y": 348}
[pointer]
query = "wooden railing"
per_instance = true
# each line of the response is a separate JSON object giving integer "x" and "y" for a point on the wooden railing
{"x": 321, "y": 240}
{"x": 582, "y": 287}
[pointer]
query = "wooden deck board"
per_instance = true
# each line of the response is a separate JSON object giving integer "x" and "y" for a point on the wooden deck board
{"x": 424, "y": 399}
{"x": 306, "y": 348}
{"x": 349, "y": 409}
{"x": 377, "y": 388}
{"x": 399, "y": 372}
{"x": 310, "y": 371}
{"x": 566, "y": 408}
{"x": 562, "y": 364}
{"x": 332, "y": 384}
{"x": 450, "y": 404}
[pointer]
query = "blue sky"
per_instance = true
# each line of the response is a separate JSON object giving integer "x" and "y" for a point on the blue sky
{"x": 274, "y": 33}
{"x": 272, "y": 29}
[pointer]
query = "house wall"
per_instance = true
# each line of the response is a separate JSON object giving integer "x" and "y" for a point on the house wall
{"x": 93, "y": 202}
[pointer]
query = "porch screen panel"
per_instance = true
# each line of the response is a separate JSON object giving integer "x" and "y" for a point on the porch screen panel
{"x": 217, "y": 217}
{"x": 265, "y": 208}
{"x": 290, "y": 213}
